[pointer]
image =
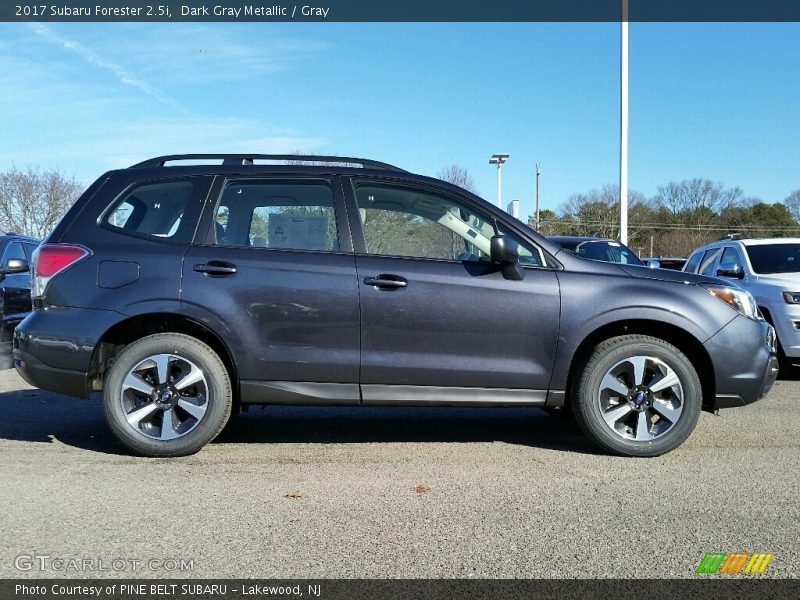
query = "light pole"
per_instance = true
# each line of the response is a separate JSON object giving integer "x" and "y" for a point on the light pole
{"x": 499, "y": 159}
{"x": 538, "y": 172}
{"x": 623, "y": 126}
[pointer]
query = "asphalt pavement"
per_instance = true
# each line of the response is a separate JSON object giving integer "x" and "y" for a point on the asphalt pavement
{"x": 387, "y": 492}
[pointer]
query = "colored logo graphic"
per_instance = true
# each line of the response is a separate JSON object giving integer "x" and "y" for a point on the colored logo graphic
{"x": 734, "y": 563}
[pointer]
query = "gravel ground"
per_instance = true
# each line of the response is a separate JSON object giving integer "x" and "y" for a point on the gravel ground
{"x": 423, "y": 493}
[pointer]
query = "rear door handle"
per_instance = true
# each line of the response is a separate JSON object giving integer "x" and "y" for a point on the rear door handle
{"x": 386, "y": 281}
{"x": 216, "y": 268}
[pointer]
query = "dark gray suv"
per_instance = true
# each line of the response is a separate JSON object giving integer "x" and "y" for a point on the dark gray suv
{"x": 184, "y": 292}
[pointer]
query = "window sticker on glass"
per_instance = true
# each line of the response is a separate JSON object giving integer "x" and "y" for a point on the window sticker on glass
{"x": 292, "y": 231}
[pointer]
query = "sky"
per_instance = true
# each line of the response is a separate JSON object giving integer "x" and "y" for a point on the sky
{"x": 709, "y": 100}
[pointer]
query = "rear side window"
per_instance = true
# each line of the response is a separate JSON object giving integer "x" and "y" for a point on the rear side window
{"x": 165, "y": 209}
{"x": 710, "y": 257}
{"x": 279, "y": 214}
{"x": 693, "y": 262}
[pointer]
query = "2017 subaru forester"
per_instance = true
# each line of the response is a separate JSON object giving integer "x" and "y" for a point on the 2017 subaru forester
{"x": 182, "y": 292}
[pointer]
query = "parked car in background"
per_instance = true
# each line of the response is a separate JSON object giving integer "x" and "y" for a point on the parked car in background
{"x": 769, "y": 269}
{"x": 182, "y": 292}
{"x": 665, "y": 262}
{"x": 15, "y": 281}
{"x": 597, "y": 248}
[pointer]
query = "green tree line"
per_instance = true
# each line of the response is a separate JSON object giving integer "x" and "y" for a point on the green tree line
{"x": 680, "y": 217}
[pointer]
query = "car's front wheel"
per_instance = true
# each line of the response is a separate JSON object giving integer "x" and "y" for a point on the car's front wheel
{"x": 637, "y": 396}
{"x": 167, "y": 395}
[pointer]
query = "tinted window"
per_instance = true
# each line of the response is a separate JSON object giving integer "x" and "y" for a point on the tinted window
{"x": 29, "y": 248}
{"x": 13, "y": 250}
{"x": 693, "y": 262}
{"x": 163, "y": 210}
{"x": 296, "y": 215}
{"x": 413, "y": 222}
{"x": 607, "y": 252}
{"x": 707, "y": 266}
{"x": 775, "y": 258}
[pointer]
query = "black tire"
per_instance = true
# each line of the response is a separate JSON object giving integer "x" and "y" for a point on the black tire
{"x": 200, "y": 425}
{"x": 616, "y": 357}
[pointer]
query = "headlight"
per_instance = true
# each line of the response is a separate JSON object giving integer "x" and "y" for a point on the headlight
{"x": 736, "y": 298}
{"x": 791, "y": 297}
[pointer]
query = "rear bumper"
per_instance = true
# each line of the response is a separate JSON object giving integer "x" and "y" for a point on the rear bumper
{"x": 53, "y": 347}
{"x": 745, "y": 362}
{"x": 35, "y": 372}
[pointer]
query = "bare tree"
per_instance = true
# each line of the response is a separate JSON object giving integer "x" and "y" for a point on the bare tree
{"x": 457, "y": 175}
{"x": 596, "y": 213}
{"x": 32, "y": 200}
{"x": 699, "y": 196}
{"x": 792, "y": 202}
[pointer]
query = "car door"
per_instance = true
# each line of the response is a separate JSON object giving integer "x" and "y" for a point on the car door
{"x": 439, "y": 322}
{"x": 275, "y": 276}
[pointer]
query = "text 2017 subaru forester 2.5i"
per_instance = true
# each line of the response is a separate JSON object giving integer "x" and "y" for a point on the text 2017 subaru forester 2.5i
{"x": 183, "y": 292}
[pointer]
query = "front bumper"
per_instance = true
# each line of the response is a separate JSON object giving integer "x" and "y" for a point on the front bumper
{"x": 786, "y": 320}
{"x": 745, "y": 360}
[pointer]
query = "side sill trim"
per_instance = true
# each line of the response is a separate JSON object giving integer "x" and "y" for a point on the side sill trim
{"x": 427, "y": 395}
{"x": 300, "y": 392}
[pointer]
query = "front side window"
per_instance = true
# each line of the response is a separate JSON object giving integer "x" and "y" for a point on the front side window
{"x": 165, "y": 210}
{"x": 288, "y": 215}
{"x": 406, "y": 221}
{"x": 730, "y": 260}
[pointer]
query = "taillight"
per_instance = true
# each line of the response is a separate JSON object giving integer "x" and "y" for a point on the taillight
{"x": 51, "y": 259}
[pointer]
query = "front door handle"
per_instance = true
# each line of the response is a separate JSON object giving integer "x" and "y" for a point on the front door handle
{"x": 216, "y": 268}
{"x": 386, "y": 281}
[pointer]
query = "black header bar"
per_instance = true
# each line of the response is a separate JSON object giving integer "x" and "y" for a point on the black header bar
{"x": 701, "y": 588}
{"x": 399, "y": 11}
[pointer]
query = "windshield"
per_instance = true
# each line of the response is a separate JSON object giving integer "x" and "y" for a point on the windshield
{"x": 606, "y": 251}
{"x": 775, "y": 258}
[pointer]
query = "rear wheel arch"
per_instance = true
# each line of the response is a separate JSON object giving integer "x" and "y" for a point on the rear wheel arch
{"x": 680, "y": 338}
{"x": 134, "y": 328}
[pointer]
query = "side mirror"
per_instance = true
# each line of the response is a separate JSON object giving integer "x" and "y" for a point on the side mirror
{"x": 505, "y": 253}
{"x": 654, "y": 264}
{"x": 735, "y": 272}
{"x": 16, "y": 265}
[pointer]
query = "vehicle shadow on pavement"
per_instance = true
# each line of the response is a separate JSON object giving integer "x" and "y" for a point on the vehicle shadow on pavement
{"x": 355, "y": 425}
{"x": 33, "y": 415}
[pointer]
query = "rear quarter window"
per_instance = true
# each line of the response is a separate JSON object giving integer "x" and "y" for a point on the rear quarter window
{"x": 165, "y": 210}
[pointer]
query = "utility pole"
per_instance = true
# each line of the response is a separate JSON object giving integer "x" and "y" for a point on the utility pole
{"x": 538, "y": 172}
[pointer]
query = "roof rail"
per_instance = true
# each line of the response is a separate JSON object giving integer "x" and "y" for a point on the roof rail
{"x": 247, "y": 159}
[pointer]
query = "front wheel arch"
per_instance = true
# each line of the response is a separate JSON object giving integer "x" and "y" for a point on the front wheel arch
{"x": 680, "y": 338}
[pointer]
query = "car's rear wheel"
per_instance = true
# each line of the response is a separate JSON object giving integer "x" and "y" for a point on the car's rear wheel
{"x": 637, "y": 396}
{"x": 167, "y": 394}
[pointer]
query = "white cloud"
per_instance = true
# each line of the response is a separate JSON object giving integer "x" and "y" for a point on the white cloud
{"x": 91, "y": 57}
